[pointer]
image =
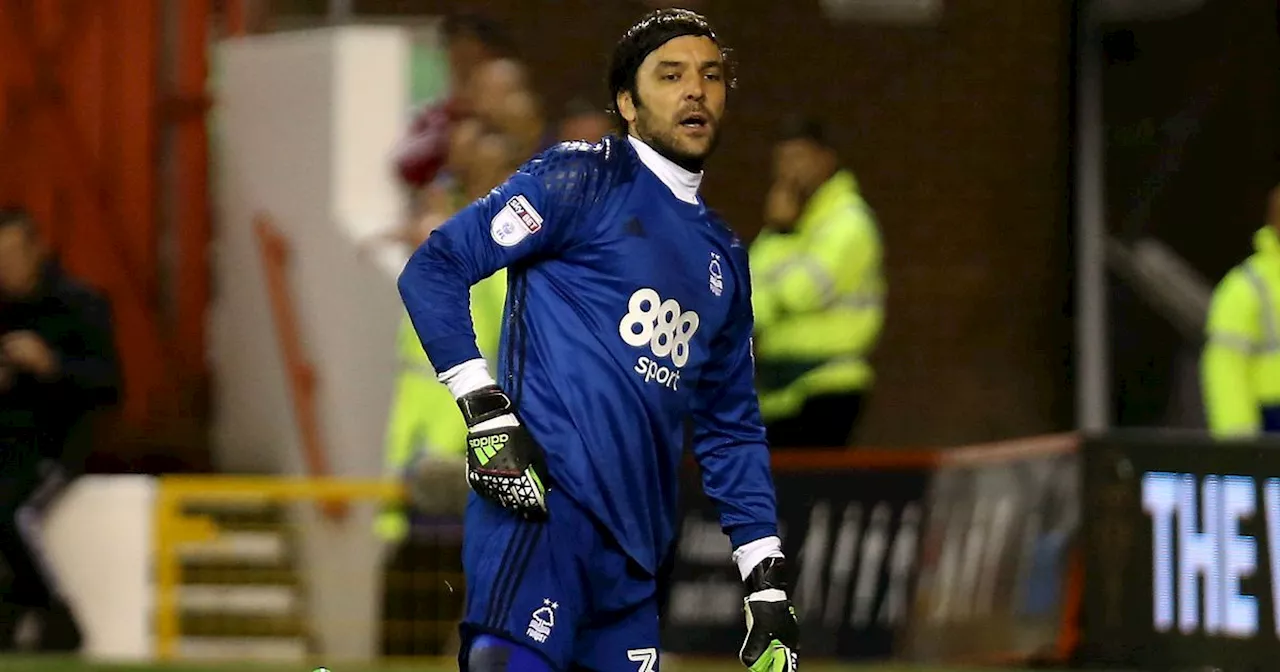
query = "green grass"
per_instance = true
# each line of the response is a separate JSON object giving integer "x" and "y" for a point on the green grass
{"x": 37, "y": 664}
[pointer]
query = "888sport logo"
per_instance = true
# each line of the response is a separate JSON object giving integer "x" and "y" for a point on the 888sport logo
{"x": 665, "y": 329}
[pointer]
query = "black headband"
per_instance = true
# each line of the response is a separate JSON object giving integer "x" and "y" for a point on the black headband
{"x": 650, "y": 33}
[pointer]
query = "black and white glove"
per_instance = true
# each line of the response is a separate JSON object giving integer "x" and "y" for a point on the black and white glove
{"x": 504, "y": 463}
{"x": 773, "y": 634}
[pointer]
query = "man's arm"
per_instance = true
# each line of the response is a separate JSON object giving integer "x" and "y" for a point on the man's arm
{"x": 534, "y": 213}
{"x": 1231, "y": 336}
{"x": 90, "y": 364}
{"x": 729, "y": 441}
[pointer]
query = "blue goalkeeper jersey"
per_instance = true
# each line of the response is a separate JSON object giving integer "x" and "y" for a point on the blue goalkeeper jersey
{"x": 628, "y": 311}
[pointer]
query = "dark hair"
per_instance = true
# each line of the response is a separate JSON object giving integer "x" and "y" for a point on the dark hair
{"x": 654, "y": 30}
{"x": 16, "y": 216}
{"x": 483, "y": 29}
{"x": 800, "y": 127}
{"x": 578, "y": 107}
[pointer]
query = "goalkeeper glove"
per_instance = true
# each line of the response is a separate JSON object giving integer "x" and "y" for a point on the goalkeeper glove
{"x": 504, "y": 463}
{"x": 773, "y": 633}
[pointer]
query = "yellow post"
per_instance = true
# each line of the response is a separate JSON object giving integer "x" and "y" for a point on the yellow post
{"x": 167, "y": 574}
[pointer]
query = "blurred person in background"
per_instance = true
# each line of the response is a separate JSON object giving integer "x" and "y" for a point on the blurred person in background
{"x": 818, "y": 293}
{"x": 583, "y": 121}
{"x": 519, "y": 117}
{"x": 432, "y": 204}
{"x": 491, "y": 85}
{"x": 496, "y": 99}
{"x": 57, "y": 366}
{"x": 474, "y": 155}
{"x": 1240, "y": 367}
{"x": 495, "y": 156}
{"x": 426, "y": 437}
{"x": 447, "y": 193}
{"x": 472, "y": 40}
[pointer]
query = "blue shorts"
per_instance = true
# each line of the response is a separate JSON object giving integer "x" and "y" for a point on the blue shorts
{"x": 562, "y": 588}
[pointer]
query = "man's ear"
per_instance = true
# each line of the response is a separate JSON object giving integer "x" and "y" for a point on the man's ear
{"x": 626, "y": 107}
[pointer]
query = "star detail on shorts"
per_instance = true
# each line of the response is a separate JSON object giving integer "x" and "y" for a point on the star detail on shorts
{"x": 548, "y": 603}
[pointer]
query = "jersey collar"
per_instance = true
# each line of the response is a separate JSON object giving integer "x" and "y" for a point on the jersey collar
{"x": 682, "y": 183}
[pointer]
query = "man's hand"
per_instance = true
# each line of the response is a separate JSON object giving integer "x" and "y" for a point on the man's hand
{"x": 782, "y": 205}
{"x": 28, "y": 352}
{"x": 773, "y": 634}
{"x": 504, "y": 463}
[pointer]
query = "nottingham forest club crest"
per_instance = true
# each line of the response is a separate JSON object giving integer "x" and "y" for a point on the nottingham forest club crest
{"x": 542, "y": 621}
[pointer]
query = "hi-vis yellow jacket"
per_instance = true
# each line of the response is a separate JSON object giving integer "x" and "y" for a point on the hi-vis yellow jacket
{"x": 424, "y": 416}
{"x": 1240, "y": 369}
{"x": 818, "y": 297}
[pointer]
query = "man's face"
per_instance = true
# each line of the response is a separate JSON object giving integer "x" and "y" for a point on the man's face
{"x": 802, "y": 164}
{"x": 679, "y": 100}
{"x": 491, "y": 85}
{"x": 519, "y": 117}
{"x": 20, "y": 259}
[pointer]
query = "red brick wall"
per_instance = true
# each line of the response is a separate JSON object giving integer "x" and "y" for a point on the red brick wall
{"x": 957, "y": 134}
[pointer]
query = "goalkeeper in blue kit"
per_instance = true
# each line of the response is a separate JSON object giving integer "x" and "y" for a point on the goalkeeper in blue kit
{"x": 628, "y": 312}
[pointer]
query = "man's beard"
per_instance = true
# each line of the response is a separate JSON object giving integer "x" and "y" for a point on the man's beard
{"x": 663, "y": 141}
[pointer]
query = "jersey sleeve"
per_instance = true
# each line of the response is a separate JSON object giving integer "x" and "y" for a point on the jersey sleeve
{"x": 535, "y": 213}
{"x": 729, "y": 437}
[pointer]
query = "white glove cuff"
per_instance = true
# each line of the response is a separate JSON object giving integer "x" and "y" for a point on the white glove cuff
{"x": 467, "y": 377}
{"x": 751, "y": 554}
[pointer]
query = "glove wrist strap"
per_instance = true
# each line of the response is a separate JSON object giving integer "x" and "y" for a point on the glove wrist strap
{"x": 484, "y": 404}
{"x": 770, "y": 574}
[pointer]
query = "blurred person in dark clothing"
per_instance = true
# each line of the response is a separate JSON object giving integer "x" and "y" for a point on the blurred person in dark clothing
{"x": 57, "y": 365}
{"x": 583, "y": 121}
